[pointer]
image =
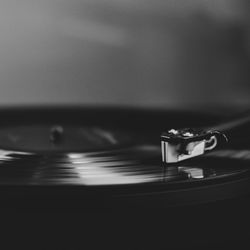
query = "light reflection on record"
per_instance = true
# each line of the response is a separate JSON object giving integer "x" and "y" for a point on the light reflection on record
{"x": 124, "y": 166}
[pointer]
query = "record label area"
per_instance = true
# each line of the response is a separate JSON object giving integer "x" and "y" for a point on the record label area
{"x": 61, "y": 138}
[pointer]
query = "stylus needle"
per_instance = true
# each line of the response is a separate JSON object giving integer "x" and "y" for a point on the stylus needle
{"x": 182, "y": 144}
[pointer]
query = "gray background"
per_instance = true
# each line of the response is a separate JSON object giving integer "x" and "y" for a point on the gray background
{"x": 151, "y": 53}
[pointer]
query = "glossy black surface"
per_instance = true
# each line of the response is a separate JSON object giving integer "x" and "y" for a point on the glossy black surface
{"x": 109, "y": 157}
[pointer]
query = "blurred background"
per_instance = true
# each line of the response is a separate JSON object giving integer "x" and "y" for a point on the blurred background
{"x": 139, "y": 53}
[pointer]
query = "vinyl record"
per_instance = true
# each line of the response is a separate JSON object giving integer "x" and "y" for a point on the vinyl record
{"x": 108, "y": 156}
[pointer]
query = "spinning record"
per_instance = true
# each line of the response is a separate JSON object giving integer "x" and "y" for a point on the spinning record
{"x": 112, "y": 156}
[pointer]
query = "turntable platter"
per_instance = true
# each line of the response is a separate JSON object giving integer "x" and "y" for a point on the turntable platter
{"x": 113, "y": 154}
